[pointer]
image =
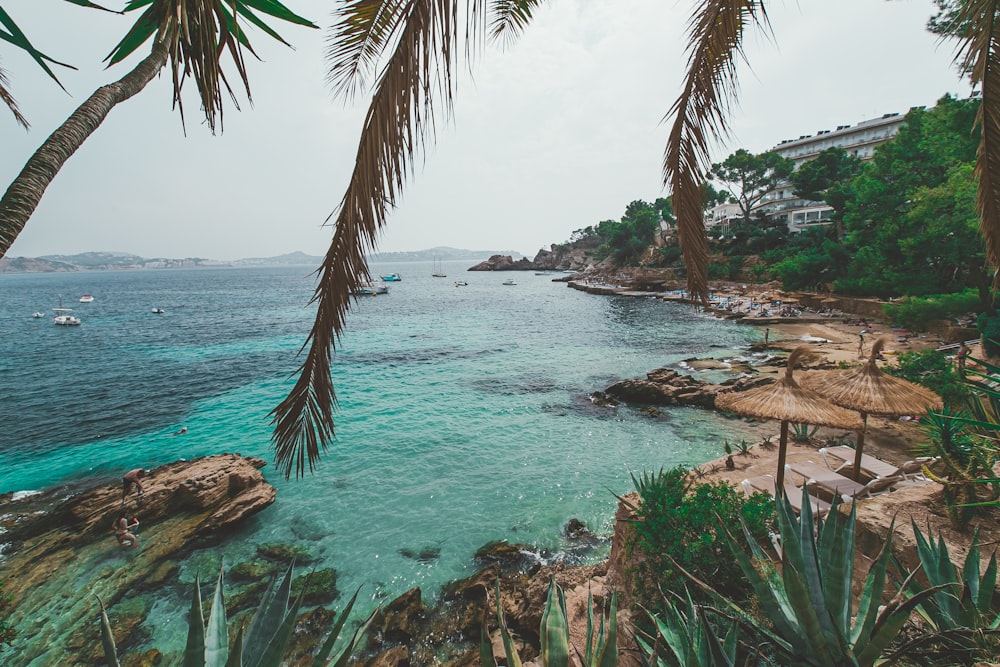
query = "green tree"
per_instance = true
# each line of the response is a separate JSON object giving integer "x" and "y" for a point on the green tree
{"x": 701, "y": 112}
{"x": 750, "y": 176}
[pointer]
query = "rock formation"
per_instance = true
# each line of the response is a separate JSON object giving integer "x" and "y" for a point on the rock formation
{"x": 664, "y": 386}
{"x": 62, "y": 547}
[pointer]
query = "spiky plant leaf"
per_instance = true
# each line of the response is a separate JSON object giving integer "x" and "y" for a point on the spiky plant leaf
{"x": 554, "y": 628}
{"x": 194, "y": 651}
{"x": 279, "y": 641}
{"x": 267, "y": 618}
{"x": 331, "y": 639}
{"x": 217, "y": 633}
{"x": 107, "y": 638}
{"x": 513, "y": 659}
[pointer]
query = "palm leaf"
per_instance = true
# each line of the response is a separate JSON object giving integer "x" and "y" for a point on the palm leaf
{"x": 107, "y": 637}
{"x": 979, "y": 55}
{"x": 399, "y": 117}
{"x": 8, "y": 99}
{"x": 196, "y": 34}
{"x": 15, "y": 36}
{"x": 716, "y": 37}
{"x": 509, "y": 17}
{"x": 362, "y": 31}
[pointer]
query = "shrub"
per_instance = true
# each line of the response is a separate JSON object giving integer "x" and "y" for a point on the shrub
{"x": 915, "y": 313}
{"x": 678, "y": 522}
{"x": 930, "y": 368}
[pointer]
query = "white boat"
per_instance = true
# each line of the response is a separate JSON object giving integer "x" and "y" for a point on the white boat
{"x": 157, "y": 311}
{"x": 460, "y": 283}
{"x": 87, "y": 298}
{"x": 438, "y": 271}
{"x": 371, "y": 289}
{"x": 63, "y": 318}
{"x": 38, "y": 314}
{"x": 509, "y": 281}
{"x": 392, "y": 278}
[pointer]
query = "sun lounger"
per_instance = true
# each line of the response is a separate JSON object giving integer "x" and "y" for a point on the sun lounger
{"x": 836, "y": 484}
{"x": 843, "y": 459}
{"x": 765, "y": 484}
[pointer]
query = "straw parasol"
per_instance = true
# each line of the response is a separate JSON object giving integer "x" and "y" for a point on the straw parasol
{"x": 871, "y": 392}
{"x": 787, "y": 401}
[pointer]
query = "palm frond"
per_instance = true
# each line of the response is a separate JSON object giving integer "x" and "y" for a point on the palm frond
{"x": 509, "y": 17}
{"x": 12, "y": 34}
{"x": 196, "y": 34}
{"x": 399, "y": 117}
{"x": 700, "y": 116}
{"x": 9, "y": 100}
{"x": 978, "y": 54}
{"x": 360, "y": 36}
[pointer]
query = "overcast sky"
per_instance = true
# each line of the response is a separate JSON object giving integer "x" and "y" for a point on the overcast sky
{"x": 557, "y": 132}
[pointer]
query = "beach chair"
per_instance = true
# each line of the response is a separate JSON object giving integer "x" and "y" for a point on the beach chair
{"x": 834, "y": 483}
{"x": 841, "y": 458}
{"x": 765, "y": 484}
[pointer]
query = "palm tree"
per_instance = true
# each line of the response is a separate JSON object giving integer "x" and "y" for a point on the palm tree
{"x": 701, "y": 111}
{"x": 426, "y": 39}
{"x": 189, "y": 35}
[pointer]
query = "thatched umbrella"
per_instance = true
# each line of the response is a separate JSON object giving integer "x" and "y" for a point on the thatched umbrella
{"x": 787, "y": 401}
{"x": 871, "y": 392}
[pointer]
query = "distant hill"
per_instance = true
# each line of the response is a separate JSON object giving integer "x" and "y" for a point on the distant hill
{"x": 115, "y": 261}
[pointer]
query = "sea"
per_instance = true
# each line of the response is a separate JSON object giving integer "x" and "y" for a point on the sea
{"x": 464, "y": 412}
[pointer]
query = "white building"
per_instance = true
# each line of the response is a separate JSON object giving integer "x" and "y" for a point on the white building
{"x": 781, "y": 205}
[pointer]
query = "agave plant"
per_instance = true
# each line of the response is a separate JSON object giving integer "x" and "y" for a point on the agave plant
{"x": 601, "y": 649}
{"x": 961, "y": 611}
{"x": 809, "y": 604}
{"x": 264, "y": 642}
{"x": 690, "y": 638}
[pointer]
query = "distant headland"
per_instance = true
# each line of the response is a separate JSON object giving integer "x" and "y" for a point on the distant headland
{"x": 117, "y": 261}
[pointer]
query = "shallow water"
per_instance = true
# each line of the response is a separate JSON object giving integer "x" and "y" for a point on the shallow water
{"x": 463, "y": 411}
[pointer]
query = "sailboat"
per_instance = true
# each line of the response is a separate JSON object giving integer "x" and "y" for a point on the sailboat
{"x": 63, "y": 317}
{"x": 438, "y": 271}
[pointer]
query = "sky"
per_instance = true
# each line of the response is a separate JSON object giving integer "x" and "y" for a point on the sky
{"x": 555, "y": 132}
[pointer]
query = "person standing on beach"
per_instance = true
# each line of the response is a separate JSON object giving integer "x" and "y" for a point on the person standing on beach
{"x": 861, "y": 344}
{"x": 963, "y": 352}
{"x": 132, "y": 479}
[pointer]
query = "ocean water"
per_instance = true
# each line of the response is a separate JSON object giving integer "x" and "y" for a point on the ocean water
{"x": 463, "y": 413}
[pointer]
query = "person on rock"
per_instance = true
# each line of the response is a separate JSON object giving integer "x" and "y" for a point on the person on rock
{"x": 132, "y": 479}
{"x": 123, "y": 532}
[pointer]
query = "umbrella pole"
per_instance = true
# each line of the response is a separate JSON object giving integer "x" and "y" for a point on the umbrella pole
{"x": 859, "y": 446}
{"x": 779, "y": 485}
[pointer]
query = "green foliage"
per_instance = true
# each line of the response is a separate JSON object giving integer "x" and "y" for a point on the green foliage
{"x": 690, "y": 639}
{"x": 677, "y": 525}
{"x": 931, "y": 369}
{"x": 914, "y": 313}
{"x": 749, "y": 177}
{"x": 989, "y": 328}
{"x": 264, "y": 642}
{"x": 802, "y": 432}
{"x": 966, "y": 462}
{"x": 601, "y": 650}
{"x": 962, "y": 607}
{"x": 828, "y": 171}
{"x": 809, "y": 604}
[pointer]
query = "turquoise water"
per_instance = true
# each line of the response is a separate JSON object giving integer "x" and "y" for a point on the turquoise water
{"x": 464, "y": 414}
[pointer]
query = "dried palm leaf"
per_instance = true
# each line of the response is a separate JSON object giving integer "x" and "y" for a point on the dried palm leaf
{"x": 8, "y": 99}
{"x": 417, "y": 75}
{"x": 978, "y": 25}
{"x": 700, "y": 116}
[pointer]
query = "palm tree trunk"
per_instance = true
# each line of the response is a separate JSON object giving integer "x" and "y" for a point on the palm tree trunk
{"x": 22, "y": 197}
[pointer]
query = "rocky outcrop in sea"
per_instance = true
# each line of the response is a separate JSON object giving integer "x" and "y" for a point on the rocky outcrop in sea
{"x": 59, "y": 551}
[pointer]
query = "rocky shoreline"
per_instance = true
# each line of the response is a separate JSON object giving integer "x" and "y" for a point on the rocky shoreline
{"x": 60, "y": 540}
